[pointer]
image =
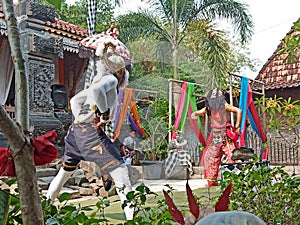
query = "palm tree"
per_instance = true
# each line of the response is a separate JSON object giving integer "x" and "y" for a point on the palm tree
{"x": 211, "y": 50}
{"x": 171, "y": 20}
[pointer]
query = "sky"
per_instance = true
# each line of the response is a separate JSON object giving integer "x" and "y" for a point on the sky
{"x": 273, "y": 19}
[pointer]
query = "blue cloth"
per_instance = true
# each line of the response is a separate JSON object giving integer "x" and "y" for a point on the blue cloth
{"x": 243, "y": 100}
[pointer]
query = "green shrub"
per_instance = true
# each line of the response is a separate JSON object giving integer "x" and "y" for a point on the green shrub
{"x": 271, "y": 194}
{"x": 146, "y": 215}
{"x": 64, "y": 213}
{"x": 73, "y": 215}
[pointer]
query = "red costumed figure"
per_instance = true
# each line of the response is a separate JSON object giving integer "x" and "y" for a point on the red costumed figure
{"x": 218, "y": 142}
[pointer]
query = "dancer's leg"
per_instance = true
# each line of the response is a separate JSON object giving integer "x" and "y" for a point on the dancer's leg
{"x": 120, "y": 176}
{"x": 228, "y": 150}
{"x": 212, "y": 161}
{"x": 57, "y": 183}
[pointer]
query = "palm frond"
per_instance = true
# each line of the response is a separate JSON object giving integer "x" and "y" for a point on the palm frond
{"x": 231, "y": 10}
{"x": 135, "y": 25}
{"x": 211, "y": 46}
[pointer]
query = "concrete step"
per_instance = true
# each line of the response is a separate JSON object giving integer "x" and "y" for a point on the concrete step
{"x": 46, "y": 172}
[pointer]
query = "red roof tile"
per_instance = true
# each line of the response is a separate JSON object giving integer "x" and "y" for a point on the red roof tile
{"x": 66, "y": 29}
{"x": 62, "y": 28}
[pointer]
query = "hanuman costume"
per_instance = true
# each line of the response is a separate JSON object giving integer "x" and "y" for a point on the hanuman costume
{"x": 84, "y": 141}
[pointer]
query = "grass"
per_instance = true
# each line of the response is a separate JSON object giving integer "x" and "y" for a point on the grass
{"x": 115, "y": 214}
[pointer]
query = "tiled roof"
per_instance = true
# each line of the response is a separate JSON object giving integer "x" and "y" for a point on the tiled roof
{"x": 61, "y": 28}
{"x": 277, "y": 74}
{"x": 66, "y": 29}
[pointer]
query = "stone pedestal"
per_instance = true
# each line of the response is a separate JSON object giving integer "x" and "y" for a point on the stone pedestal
{"x": 153, "y": 170}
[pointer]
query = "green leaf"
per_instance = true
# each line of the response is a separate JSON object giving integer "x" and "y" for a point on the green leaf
{"x": 64, "y": 197}
{"x": 11, "y": 181}
{"x": 4, "y": 206}
{"x": 74, "y": 213}
{"x": 68, "y": 208}
{"x": 87, "y": 208}
{"x": 52, "y": 221}
{"x": 106, "y": 202}
{"x": 143, "y": 198}
{"x": 55, "y": 3}
{"x": 130, "y": 195}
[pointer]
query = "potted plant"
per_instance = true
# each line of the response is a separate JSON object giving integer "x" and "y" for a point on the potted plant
{"x": 155, "y": 145}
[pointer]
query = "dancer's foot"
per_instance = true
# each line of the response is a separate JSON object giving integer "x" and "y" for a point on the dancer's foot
{"x": 106, "y": 182}
{"x": 212, "y": 183}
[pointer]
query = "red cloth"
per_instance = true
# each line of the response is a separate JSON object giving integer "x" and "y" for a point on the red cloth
{"x": 44, "y": 152}
{"x": 213, "y": 152}
{"x": 230, "y": 131}
{"x": 7, "y": 166}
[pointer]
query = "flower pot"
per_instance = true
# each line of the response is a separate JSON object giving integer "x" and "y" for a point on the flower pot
{"x": 153, "y": 170}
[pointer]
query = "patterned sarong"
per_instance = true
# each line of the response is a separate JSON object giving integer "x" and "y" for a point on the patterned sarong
{"x": 177, "y": 158}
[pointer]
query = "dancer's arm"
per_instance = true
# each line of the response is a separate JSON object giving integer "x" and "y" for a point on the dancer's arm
{"x": 200, "y": 112}
{"x": 238, "y": 113}
{"x": 76, "y": 103}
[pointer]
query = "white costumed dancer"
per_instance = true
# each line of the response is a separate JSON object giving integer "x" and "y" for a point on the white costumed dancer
{"x": 85, "y": 139}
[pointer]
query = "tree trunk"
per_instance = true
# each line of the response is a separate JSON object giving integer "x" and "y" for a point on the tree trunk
{"x": 21, "y": 86}
{"x": 21, "y": 148}
{"x": 175, "y": 43}
{"x": 26, "y": 175}
{"x": 175, "y": 61}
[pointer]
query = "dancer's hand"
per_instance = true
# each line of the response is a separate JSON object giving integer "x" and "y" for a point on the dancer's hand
{"x": 97, "y": 122}
{"x": 237, "y": 131}
{"x": 105, "y": 116}
{"x": 194, "y": 115}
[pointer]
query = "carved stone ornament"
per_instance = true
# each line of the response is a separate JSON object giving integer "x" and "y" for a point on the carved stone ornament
{"x": 40, "y": 12}
{"x": 47, "y": 45}
{"x": 70, "y": 45}
{"x": 41, "y": 73}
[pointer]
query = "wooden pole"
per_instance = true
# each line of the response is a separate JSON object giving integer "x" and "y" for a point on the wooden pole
{"x": 231, "y": 100}
{"x": 170, "y": 107}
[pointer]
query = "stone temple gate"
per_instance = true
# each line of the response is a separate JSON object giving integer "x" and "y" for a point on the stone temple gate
{"x": 50, "y": 50}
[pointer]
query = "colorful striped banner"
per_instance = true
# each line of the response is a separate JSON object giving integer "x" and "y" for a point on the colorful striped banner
{"x": 248, "y": 108}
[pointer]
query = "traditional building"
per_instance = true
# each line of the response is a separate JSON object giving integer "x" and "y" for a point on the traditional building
{"x": 281, "y": 78}
{"x": 50, "y": 49}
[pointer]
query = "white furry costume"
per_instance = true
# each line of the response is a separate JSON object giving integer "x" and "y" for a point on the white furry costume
{"x": 84, "y": 141}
